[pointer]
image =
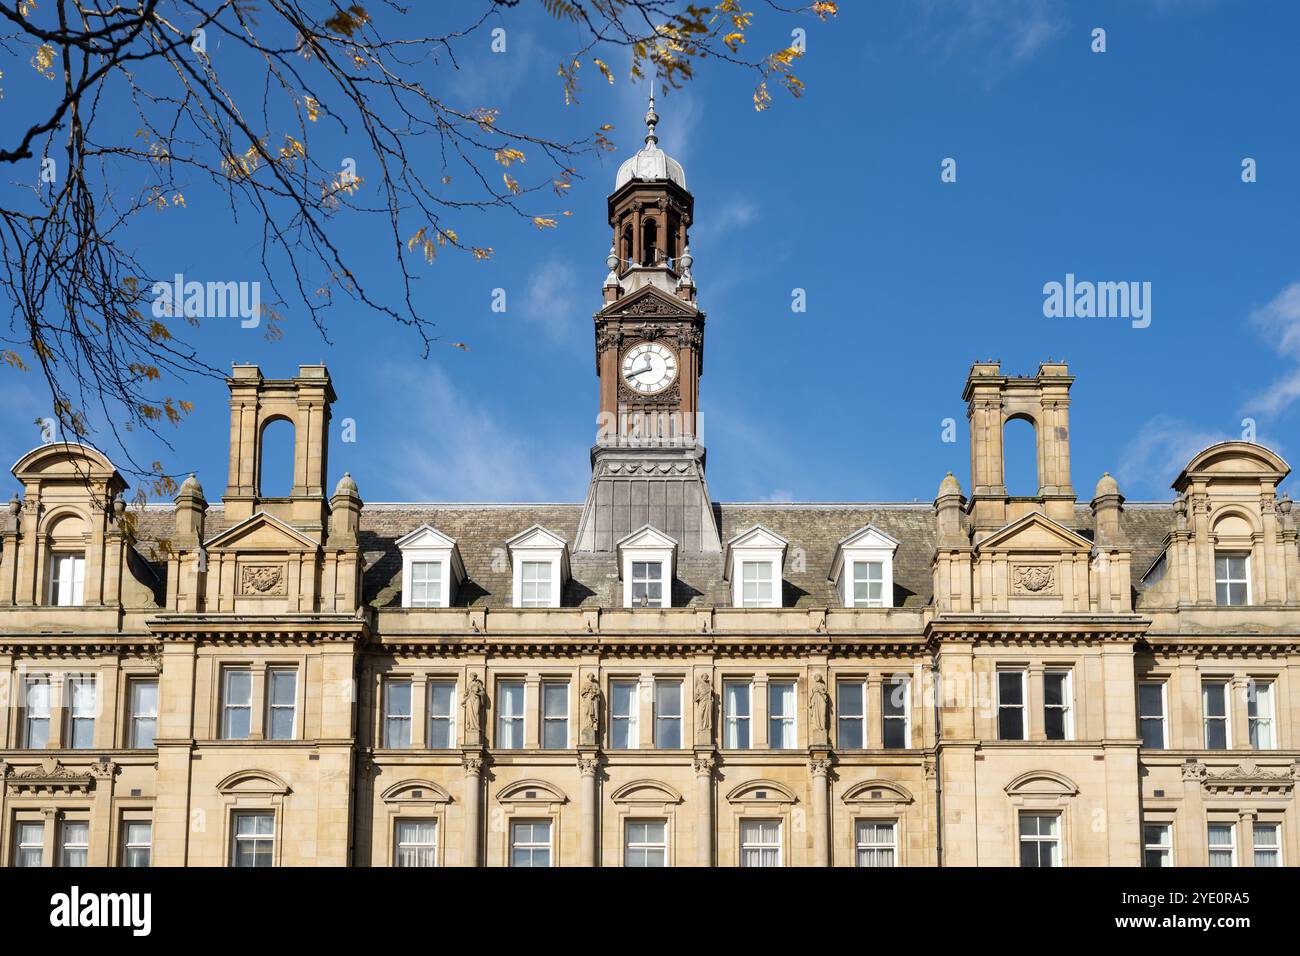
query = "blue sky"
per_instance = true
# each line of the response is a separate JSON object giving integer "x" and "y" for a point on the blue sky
{"x": 1121, "y": 166}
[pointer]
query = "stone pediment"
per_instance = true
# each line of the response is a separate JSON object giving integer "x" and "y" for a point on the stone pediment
{"x": 649, "y": 302}
{"x": 261, "y": 532}
{"x": 1034, "y": 532}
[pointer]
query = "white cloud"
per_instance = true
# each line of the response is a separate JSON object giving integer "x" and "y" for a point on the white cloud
{"x": 1008, "y": 32}
{"x": 450, "y": 448}
{"x": 1153, "y": 457}
{"x": 550, "y": 299}
{"x": 1279, "y": 323}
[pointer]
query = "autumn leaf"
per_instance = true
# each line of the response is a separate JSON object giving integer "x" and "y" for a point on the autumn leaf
{"x": 541, "y": 222}
{"x": 507, "y": 156}
{"x": 349, "y": 21}
{"x": 511, "y": 184}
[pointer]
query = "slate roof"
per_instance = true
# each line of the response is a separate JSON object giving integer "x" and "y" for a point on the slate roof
{"x": 813, "y": 530}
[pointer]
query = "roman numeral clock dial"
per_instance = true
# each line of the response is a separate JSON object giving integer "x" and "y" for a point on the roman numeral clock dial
{"x": 649, "y": 368}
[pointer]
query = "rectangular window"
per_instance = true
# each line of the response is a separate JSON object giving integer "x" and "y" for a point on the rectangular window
{"x": 29, "y": 844}
{"x": 144, "y": 713}
{"x": 281, "y": 702}
{"x": 1011, "y": 705}
{"x": 1058, "y": 715}
{"x": 510, "y": 715}
{"x": 1157, "y": 844}
{"x": 756, "y": 584}
{"x": 645, "y": 843}
{"x": 1259, "y": 707}
{"x": 442, "y": 714}
{"x": 555, "y": 715}
{"x": 416, "y": 843}
{"x": 74, "y": 843}
{"x": 67, "y": 580}
{"x": 736, "y": 698}
{"x": 535, "y": 584}
{"x": 781, "y": 710}
{"x": 624, "y": 700}
{"x": 668, "y": 714}
{"x": 1214, "y": 709}
{"x": 530, "y": 843}
{"x": 1231, "y": 580}
{"x": 852, "y": 723}
{"x": 137, "y": 843}
{"x": 896, "y": 713}
{"x": 760, "y": 843}
{"x": 868, "y": 584}
{"x": 397, "y": 714}
{"x": 426, "y": 584}
{"x": 36, "y": 722}
{"x": 81, "y": 716}
{"x": 237, "y": 703}
{"x": 1223, "y": 844}
{"x": 1268, "y": 844}
{"x": 1151, "y": 714}
{"x": 253, "y": 841}
{"x": 1040, "y": 839}
{"x": 877, "y": 843}
{"x": 647, "y": 584}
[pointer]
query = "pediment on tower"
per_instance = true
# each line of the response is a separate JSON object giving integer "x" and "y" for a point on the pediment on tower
{"x": 649, "y": 302}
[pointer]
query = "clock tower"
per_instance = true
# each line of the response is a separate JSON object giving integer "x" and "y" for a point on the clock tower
{"x": 648, "y": 462}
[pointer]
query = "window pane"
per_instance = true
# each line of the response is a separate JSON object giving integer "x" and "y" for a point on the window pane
{"x": 442, "y": 720}
{"x": 555, "y": 711}
{"x": 1011, "y": 688}
{"x": 510, "y": 715}
{"x": 851, "y": 732}
{"x": 75, "y": 850}
{"x": 417, "y": 843}
{"x": 668, "y": 714}
{"x": 736, "y": 705}
{"x": 781, "y": 715}
{"x": 622, "y": 710}
{"x": 282, "y": 693}
{"x": 144, "y": 710}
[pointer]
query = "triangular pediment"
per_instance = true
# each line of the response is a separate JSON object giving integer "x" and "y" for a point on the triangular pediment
{"x": 262, "y": 532}
{"x": 425, "y": 537}
{"x": 536, "y": 538}
{"x": 869, "y": 537}
{"x": 650, "y": 302}
{"x": 757, "y": 537}
{"x": 647, "y": 536}
{"x": 1034, "y": 532}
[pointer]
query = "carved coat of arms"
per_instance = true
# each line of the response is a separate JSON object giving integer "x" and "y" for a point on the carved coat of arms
{"x": 1035, "y": 578}
{"x": 261, "y": 579}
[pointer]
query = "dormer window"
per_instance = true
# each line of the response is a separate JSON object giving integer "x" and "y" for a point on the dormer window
{"x": 67, "y": 579}
{"x": 863, "y": 568}
{"x": 1231, "y": 579}
{"x": 431, "y": 568}
{"x": 754, "y": 562}
{"x": 540, "y": 559}
{"x": 646, "y": 563}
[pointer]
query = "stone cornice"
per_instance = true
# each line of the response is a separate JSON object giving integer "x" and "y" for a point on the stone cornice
{"x": 252, "y": 629}
{"x": 51, "y": 776}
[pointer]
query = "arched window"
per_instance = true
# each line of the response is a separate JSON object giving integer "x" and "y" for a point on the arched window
{"x": 649, "y": 237}
{"x": 275, "y": 460}
{"x": 1020, "y": 457}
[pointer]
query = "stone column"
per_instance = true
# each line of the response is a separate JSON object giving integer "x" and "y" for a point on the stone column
{"x": 472, "y": 853}
{"x": 587, "y": 764}
{"x": 704, "y": 763}
{"x": 820, "y": 766}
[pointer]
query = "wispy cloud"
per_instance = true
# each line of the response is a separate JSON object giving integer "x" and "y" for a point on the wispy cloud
{"x": 1279, "y": 323}
{"x": 1007, "y": 32}
{"x": 1152, "y": 458}
{"x": 550, "y": 298}
{"x": 451, "y": 448}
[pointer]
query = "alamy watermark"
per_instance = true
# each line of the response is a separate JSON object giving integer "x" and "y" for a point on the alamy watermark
{"x": 208, "y": 300}
{"x": 1084, "y": 299}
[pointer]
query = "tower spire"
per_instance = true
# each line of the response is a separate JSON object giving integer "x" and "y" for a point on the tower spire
{"x": 651, "y": 120}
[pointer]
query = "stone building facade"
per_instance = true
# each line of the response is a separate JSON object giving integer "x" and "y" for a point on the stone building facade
{"x": 649, "y": 677}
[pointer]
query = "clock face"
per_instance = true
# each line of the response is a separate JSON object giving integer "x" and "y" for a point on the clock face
{"x": 649, "y": 368}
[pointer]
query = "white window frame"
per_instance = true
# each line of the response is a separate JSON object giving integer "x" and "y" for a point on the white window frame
{"x": 429, "y": 575}
{"x": 1038, "y": 839}
{"x": 867, "y": 545}
{"x": 1274, "y": 847}
{"x": 128, "y": 844}
{"x": 764, "y": 847}
{"x": 23, "y": 842}
{"x": 1164, "y": 846}
{"x": 860, "y": 719}
{"x": 756, "y": 546}
{"x": 675, "y": 719}
{"x": 759, "y": 580}
{"x": 532, "y": 846}
{"x": 236, "y": 836}
{"x": 1230, "y": 580}
{"x": 732, "y": 722}
{"x": 537, "y": 545}
{"x": 875, "y": 847}
{"x": 138, "y": 717}
{"x": 1226, "y": 684}
{"x": 448, "y": 719}
{"x": 389, "y": 716}
{"x": 1067, "y": 696}
{"x": 1259, "y": 720}
{"x": 227, "y": 707}
{"x": 1164, "y": 712}
{"x": 66, "y": 846}
{"x": 426, "y": 545}
{"x": 782, "y": 725}
{"x": 886, "y": 688}
{"x": 1230, "y": 847}
{"x": 76, "y": 713}
{"x": 648, "y": 545}
{"x": 418, "y": 847}
{"x": 65, "y": 592}
{"x": 644, "y": 846}
{"x": 561, "y": 719}
{"x": 45, "y": 716}
{"x": 515, "y": 720}
{"x": 273, "y": 674}
{"x": 1023, "y": 706}
{"x": 632, "y": 719}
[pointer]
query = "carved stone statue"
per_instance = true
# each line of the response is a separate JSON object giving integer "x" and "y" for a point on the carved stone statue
{"x": 472, "y": 700}
{"x": 591, "y": 706}
{"x": 703, "y": 710}
{"x": 819, "y": 710}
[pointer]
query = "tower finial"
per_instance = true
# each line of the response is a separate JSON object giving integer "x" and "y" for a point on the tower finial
{"x": 651, "y": 119}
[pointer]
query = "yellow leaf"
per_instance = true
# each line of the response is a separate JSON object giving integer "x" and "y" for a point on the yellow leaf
{"x": 507, "y": 156}
{"x": 511, "y": 184}
{"x": 313, "y": 108}
{"x": 604, "y": 71}
{"x": 541, "y": 222}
